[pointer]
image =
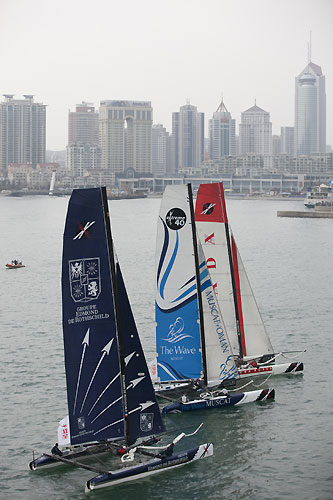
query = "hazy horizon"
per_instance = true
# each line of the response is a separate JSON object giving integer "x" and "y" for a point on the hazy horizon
{"x": 164, "y": 52}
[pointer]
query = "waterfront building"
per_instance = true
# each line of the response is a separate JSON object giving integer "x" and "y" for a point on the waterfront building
{"x": 22, "y": 175}
{"x": 22, "y": 131}
{"x": 287, "y": 140}
{"x": 221, "y": 129}
{"x": 81, "y": 158}
{"x": 187, "y": 138}
{"x": 255, "y": 132}
{"x": 310, "y": 111}
{"x": 125, "y": 131}
{"x": 83, "y": 125}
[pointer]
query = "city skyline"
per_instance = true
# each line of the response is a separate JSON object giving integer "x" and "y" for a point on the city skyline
{"x": 164, "y": 53}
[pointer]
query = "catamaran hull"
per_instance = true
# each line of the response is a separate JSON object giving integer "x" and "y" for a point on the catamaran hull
{"x": 278, "y": 369}
{"x": 152, "y": 467}
{"x": 220, "y": 402}
{"x": 46, "y": 461}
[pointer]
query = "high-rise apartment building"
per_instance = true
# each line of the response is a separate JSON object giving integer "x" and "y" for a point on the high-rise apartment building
{"x": 310, "y": 111}
{"x": 287, "y": 141}
{"x": 187, "y": 137}
{"x": 83, "y": 125}
{"x": 160, "y": 150}
{"x": 81, "y": 158}
{"x": 83, "y": 150}
{"x": 22, "y": 131}
{"x": 221, "y": 131}
{"x": 125, "y": 131}
{"x": 255, "y": 132}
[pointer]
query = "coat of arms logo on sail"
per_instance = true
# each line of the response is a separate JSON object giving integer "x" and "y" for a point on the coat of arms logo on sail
{"x": 85, "y": 279}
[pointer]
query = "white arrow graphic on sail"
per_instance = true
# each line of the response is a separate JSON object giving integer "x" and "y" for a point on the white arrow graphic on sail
{"x": 103, "y": 392}
{"x": 105, "y": 351}
{"x": 85, "y": 343}
{"x": 135, "y": 382}
{"x": 142, "y": 406}
{"x": 128, "y": 358}
{"x": 132, "y": 384}
{"x": 109, "y": 406}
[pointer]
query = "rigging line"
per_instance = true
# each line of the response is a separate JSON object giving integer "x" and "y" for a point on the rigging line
{"x": 242, "y": 387}
{"x": 288, "y": 357}
{"x": 262, "y": 383}
{"x": 98, "y": 458}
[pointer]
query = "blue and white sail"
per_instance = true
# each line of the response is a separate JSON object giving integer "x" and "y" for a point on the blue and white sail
{"x": 191, "y": 339}
{"x": 177, "y": 314}
{"x": 94, "y": 386}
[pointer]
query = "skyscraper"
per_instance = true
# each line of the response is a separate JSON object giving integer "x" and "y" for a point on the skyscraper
{"x": 22, "y": 131}
{"x": 255, "y": 132}
{"x": 310, "y": 111}
{"x": 221, "y": 134}
{"x": 160, "y": 150}
{"x": 287, "y": 140}
{"x": 83, "y": 150}
{"x": 126, "y": 135}
{"x": 83, "y": 125}
{"x": 188, "y": 137}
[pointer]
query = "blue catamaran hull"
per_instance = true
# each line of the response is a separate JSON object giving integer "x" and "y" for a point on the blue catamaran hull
{"x": 219, "y": 402}
{"x": 152, "y": 467}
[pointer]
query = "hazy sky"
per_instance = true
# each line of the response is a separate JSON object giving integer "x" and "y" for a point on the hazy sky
{"x": 67, "y": 51}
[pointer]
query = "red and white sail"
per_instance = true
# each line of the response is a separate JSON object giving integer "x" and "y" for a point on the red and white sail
{"x": 245, "y": 328}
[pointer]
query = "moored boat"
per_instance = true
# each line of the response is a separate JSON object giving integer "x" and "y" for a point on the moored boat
{"x": 319, "y": 195}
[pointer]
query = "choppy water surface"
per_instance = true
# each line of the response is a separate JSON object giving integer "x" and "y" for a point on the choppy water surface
{"x": 276, "y": 450}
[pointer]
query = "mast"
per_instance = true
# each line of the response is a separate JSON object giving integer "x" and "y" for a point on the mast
{"x": 116, "y": 302}
{"x": 197, "y": 274}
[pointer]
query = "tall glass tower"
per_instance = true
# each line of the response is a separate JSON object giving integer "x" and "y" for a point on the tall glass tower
{"x": 188, "y": 137}
{"x": 222, "y": 140}
{"x": 255, "y": 132}
{"x": 310, "y": 111}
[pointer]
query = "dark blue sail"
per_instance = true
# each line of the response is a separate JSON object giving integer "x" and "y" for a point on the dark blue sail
{"x": 94, "y": 386}
{"x": 144, "y": 417}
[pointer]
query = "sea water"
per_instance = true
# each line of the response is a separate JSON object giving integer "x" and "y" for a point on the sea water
{"x": 272, "y": 450}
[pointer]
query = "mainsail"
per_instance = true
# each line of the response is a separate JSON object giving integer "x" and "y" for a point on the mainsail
{"x": 103, "y": 355}
{"x": 190, "y": 335}
{"x": 144, "y": 417}
{"x": 241, "y": 315}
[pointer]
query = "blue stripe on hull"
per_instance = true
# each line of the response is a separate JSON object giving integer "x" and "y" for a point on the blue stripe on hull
{"x": 219, "y": 402}
{"x": 130, "y": 473}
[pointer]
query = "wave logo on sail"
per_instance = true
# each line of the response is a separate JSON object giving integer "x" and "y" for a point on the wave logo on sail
{"x": 175, "y": 332}
{"x": 175, "y": 219}
{"x": 85, "y": 279}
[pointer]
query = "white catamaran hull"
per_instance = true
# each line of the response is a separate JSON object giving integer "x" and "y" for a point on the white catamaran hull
{"x": 279, "y": 369}
{"x": 152, "y": 467}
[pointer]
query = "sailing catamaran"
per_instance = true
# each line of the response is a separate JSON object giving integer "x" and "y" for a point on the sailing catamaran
{"x": 111, "y": 400}
{"x": 246, "y": 331}
{"x": 191, "y": 340}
